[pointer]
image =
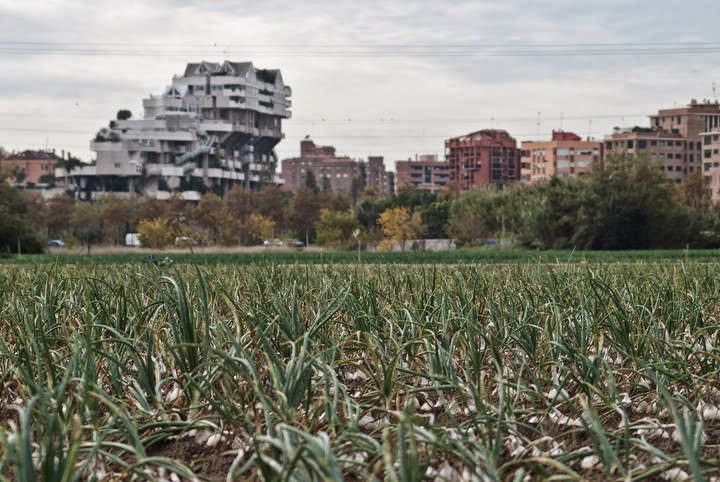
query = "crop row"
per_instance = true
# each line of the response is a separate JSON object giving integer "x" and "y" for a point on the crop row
{"x": 300, "y": 373}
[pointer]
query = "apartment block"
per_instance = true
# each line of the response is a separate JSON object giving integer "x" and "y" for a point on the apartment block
{"x": 29, "y": 167}
{"x": 484, "y": 157}
{"x": 340, "y": 173}
{"x": 668, "y": 150}
{"x": 377, "y": 177}
{"x": 690, "y": 122}
{"x": 425, "y": 172}
{"x": 566, "y": 155}
{"x": 711, "y": 162}
{"x": 216, "y": 125}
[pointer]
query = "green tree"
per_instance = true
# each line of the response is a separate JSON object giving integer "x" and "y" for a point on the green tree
{"x": 335, "y": 201}
{"x": 695, "y": 192}
{"x": 550, "y": 214}
{"x": 271, "y": 202}
{"x": 326, "y": 186}
{"x": 209, "y": 216}
{"x": 85, "y": 222}
{"x": 35, "y": 211}
{"x": 116, "y": 214}
{"x": 310, "y": 181}
{"x": 368, "y": 210}
{"x": 411, "y": 197}
{"x": 336, "y": 229}
{"x": 16, "y": 233}
{"x": 629, "y": 204}
{"x": 59, "y": 210}
{"x": 435, "y": 218}
{"x": 147, "y": 208}
{"x": 304, "y": 213}
{"x": 239, "y": 202}
{"x": 473, "y": 218}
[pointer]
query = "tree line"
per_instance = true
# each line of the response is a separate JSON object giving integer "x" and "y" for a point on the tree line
{"x": 625, "y": 204}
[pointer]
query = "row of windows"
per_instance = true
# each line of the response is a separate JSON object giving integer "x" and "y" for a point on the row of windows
{"x": 643, "y": 143}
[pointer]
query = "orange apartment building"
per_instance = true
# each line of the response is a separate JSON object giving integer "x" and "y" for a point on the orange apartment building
{"x": 566, "y": 155}
{"x": 29, "y": 167}
{"x": 339, "y": 171}
{"x": 483, "y": 157}
{"x": 426, "y": 173}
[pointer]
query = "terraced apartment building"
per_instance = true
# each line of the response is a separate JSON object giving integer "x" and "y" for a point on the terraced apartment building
{"x": 215, "y": 126}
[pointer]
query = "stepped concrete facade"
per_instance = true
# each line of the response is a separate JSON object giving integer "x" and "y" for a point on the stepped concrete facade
{"x": 215, "y": 126}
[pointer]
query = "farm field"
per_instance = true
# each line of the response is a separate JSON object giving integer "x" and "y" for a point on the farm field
{"x": 254, "y": 256}
{"x": 521, "y": 370}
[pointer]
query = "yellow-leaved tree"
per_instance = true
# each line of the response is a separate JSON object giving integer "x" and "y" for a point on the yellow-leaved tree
{"x": 155, "y": 233}
{"x": 399, "y": 225}
{"x": 260, "y": 228}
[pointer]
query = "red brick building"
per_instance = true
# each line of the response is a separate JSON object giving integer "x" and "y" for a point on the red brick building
{"x": 341, "y": 173}
{"x": 484, "y": 157}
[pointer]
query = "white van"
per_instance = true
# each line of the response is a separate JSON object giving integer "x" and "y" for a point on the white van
{"x": 131, "y": 239}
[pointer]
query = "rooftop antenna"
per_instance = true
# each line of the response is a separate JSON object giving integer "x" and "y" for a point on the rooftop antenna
{"x": 589, "y": 127}
{"x": 714, "y": 87}
{"x": 562, "y": 117}
{"x": 538, "y": 124}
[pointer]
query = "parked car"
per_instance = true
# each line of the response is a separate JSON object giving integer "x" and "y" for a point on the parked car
{"x": 273, "y": 242}
{"x": 55, "y": 243}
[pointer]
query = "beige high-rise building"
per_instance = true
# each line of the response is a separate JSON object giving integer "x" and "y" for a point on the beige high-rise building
{"x": 711, "y": 162}
{"x": 689, "y": 122}
{"x": 566, "y": 155}
{"x": 666, "y": 149}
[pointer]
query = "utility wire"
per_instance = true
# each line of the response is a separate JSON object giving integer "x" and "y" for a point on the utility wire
{"x": 359, "y": 51}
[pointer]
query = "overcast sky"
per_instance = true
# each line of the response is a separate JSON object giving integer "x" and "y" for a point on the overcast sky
{"x": 391, "y": 78}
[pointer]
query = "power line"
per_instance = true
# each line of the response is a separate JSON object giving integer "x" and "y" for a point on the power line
{"x": 360, "y": 50}
{"x": 362, "y": 120}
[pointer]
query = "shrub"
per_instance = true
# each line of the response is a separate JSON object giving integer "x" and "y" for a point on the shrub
{"x": 155, "y": 233}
